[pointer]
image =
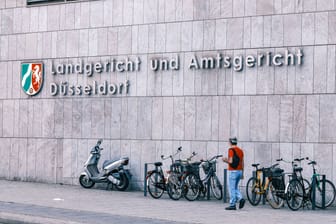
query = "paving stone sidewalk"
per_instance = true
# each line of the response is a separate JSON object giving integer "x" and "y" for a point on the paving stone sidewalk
{"x": 24, "y": 202}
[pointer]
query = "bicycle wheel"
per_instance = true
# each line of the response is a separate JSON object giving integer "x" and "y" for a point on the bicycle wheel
{"x": 191, "y": 187}
{"x": 253, "y": 191}
{"x": 155, "y": 185}
{"x": 295, "y": 195}
{"x": 174, "y": 187}
{"x": 216, "y": 187}
{"x": 273, "y": 196}
{"x": 330, "y": 192}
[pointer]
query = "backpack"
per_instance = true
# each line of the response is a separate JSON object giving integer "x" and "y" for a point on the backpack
{"x": 235, "y": 159}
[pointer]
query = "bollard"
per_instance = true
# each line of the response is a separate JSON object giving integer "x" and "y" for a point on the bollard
{"x": 314, "y": 192}
{"x": 225, "y": 186}
{"x": 145, "y": 180}
{"x": 323, "y": 191}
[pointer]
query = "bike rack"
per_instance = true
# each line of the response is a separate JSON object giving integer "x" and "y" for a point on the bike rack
{"x": 225, "y": 186}
{"x": 145, "y": 174}
{"x": 314, "y": 193}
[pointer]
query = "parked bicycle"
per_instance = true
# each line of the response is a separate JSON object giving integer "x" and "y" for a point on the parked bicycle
{"x": 269, "y": 182}
{"x": 330, "y": 191}
{"x": 158, "y": 183}
{"x": 195, "y": 186}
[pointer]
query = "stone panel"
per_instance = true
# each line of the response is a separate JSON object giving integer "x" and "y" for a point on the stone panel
{"x": 273, "y": 118}
{"x": 178, "y": 120}
{"x": 324, "y": 5}
{"x": 197, "y": 40}
{"x": 5, "y": 151}
{"x": 108, "y": 16}
{"x": 263, "y": 152}
{"x": 286, "y": 119}
{"x": 235, "y": 30}
{"x": 144, "y": 118}
{"x": 309, "y": 5}
{"x": 308, "y": 28}
{"x": 190, "y": 118}
{"x": 313, "y": 118}
{"x": 292, "y": 29}
{"x": 327, "y": 124}
{"x": 168, "y": 116}
{"x": 332, "y": 28}
{"x": 8, "y": 107}
{"x": 267, "y": 31}
{"x": 151, "y": 38}
{"x": 258, "y": 123}
{"x": 173, "y": 37}
{"x": 186, "y": 36}
{"x": 238, "y": 8}
{"x": 48, "y": 121}
{"x": 250, "y": 7}
{"x": 125, "y": 40}
{"x": 138, "y": 15}
{"x": 321, "y": 28}
{"x": 305, "y": 73}
{"x": 170, "y": 11}
{"x": 102, "y": 41}
{"x": 203, "y": 118}
{"x": 331, "y": 71}
{"x": 112, "y": 40}
{"x": 188, "y": 14}
{"x": 157, "y": 118}
{"x": 234, "y": 116}
{"x": 201, "y": 9}
{"x": 299, "y": 119}
{"x": 178, "y": 76}
{"x": 265, "y": 78}
{"x": 244, "y": 118}
{"x": 247, "y": 32}
{"x": 214, "y": 9}
{"x": 320, "y": 69}
{"x": 264, "y": 7}
{"x": 322, "y": 156}
{"x": 224, "y": 118}
{"x": 150, "y": 11}
{"x": 251, "y": 76}
{"x": 288, "y": 6}
{"x": 226, "y": 8}
{"x": 209, "y": 35}
{"x": 215, "y": 118}
{"x": 67, "y": 122}
{"x": 116, "y": 118}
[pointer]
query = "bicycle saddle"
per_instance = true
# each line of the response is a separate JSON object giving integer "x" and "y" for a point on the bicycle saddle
{"x": 158, "y": 164}
{"x": 312, "y": 162}
{"x": 255, "y": 164}
{"x": 298, "y": 169}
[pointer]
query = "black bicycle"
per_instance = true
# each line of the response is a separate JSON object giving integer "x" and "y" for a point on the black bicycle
{"x": 195, "y": 186}
{"x": 330, "y": 190}
{"x": 158, "y": 183}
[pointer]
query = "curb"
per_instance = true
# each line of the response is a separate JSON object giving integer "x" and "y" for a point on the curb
{"x": 13, "y": 218}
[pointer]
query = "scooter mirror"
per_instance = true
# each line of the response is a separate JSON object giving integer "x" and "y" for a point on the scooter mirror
{"x": 179, "y": 148}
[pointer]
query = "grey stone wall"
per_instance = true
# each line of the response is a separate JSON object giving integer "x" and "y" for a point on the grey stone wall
{"x": 274, "y": 111}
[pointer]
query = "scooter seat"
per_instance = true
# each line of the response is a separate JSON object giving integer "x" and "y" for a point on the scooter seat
{"x": 108, "y": 162}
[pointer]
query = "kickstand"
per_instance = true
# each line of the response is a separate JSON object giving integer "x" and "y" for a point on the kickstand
{"x": 107, "y": 186}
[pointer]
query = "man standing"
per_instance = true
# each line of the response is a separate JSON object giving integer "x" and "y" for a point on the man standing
{"x": 235, "y": 161}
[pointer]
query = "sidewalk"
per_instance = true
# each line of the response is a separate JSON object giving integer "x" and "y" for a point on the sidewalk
{"x": 22, "y": 202}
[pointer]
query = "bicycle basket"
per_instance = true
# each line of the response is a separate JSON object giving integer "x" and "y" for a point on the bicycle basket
{"x": 278, "y": 183}
{"x": 206, "y": 167}
{"x": 267, "y": 172}
{"x": 277, "y": 172}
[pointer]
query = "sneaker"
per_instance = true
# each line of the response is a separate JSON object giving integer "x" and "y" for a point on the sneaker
{"x": 241, "y": 203}
{"x": 232, "y": 207}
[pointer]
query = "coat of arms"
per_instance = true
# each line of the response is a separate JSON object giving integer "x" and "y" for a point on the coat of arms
{"x": 31, "y": 77}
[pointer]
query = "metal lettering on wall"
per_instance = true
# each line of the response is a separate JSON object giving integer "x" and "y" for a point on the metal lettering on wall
{"x": 216, "y": 61}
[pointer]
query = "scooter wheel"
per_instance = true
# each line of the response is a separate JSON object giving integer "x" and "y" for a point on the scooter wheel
{"x": 85, "y": 181}
{"x": 124, "y": 182}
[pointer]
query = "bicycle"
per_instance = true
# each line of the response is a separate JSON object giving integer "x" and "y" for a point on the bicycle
{"x": 330, "y": 190}
{"x": 298, "y": 188}
{"x": 157, "y": 182}
{"x": 269, "y": 182}
{"x": 194, "y": 185}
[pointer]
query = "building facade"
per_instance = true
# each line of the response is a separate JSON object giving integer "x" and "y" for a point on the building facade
{"x": 148, "y": 76}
